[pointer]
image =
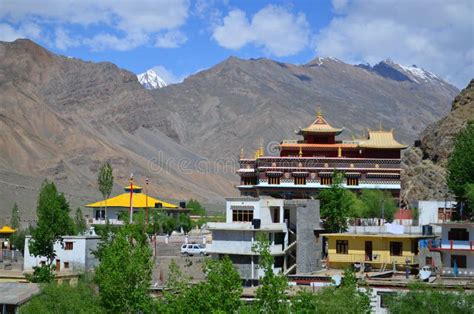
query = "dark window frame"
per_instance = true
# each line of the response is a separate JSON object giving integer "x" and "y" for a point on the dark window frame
{"x": 396, "y": 248}
{"x": 458, "y": 234}
{"x": 461, "y": 261}
{"x": 342, "y": 246}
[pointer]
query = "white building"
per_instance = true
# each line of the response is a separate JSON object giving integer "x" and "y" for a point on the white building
{"x": 456, "y": 248}
{"x": 248, "y": 218}
{"x": 74, "y": 255}
{"x": 432, "y": 212}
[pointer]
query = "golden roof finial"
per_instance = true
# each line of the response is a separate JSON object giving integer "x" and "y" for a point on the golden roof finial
{"x": 257, "y": 153}
{"x": 301, "y": 152}
{"x": 339, "y": 151}
{"x": 318, "y": 113}
{"x": 241, "y": 153}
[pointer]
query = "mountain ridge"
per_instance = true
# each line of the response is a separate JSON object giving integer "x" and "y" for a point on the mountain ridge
{"x": 61, "y": 118}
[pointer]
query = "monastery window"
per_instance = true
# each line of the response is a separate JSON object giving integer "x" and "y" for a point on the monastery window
{"x": 326, "y": 180}
{"x": 68, "y": 246}
{"x": 458, "y": 234}
{"x": 352, "y": 181}
{"x": 274, "y": 180}
{"x": 460, "y": 261}
{"x": 342, "y": 246}
{"x": 249, "y": 180}
{"x": 300, "y": 180}
{"x": 242, "y": 215}
{"x": 66, "y": 265}
{"x": 396, "y": 248}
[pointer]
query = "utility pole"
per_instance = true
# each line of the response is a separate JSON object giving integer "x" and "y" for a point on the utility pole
{"x": 383, "y": 211}
{"x": 131, "y": 198}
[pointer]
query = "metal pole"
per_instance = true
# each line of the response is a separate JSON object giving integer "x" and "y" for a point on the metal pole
{"x": 146, "y": 202}
{"x": 383, "y": 211}
{"x": 131, "y": 198}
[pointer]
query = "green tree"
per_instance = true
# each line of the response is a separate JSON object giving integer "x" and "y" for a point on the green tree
{"x": 53, "y": 222}
{"x": 378, "y": 203}
{"x": 427, "y": 300}
{"x": 271, "y": 296}
{"x": 336, "y": 205}
{"x": 105, "y": 181}
{"x": 219, "y": 293}
{"x": 62, "y": 298}
{"x": 461, "y": 167}
{"x": 15, "y": 217}
{"x": 124, "y": 273}
{"x": 80, "y": 221}
{"x": 185, "y": 222}
{"x": 333, "y": 299}
{"x": 196, "y": 208}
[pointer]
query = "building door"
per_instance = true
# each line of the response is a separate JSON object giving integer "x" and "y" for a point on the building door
{"x": 58, "y": 265}
{"x": 368, "y": 250}
{"x": 286, "y": 216}
{"x": 276, "y": 214}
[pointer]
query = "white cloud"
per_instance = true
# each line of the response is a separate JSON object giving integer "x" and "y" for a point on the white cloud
{"x": 135, "y": 20}
{"x": 277, "y": 30}
{"x": 63, "y": 41}
{"x": 171, "y": 39}
{"x": 25, "y": 30}
{"x": 168, "y": 76}
{"x": 435, "y": 35}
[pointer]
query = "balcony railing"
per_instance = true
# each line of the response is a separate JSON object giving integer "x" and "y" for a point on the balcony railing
{"x": 451, "y": 245}
{"x": 94, "y": 221}
{"x": 376, "y": 258}
{"x": 318, "y": 163}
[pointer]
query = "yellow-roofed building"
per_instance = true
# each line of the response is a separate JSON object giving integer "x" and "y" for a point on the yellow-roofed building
{"x": 117, "y": 204}
{"x": 5, "y": 233}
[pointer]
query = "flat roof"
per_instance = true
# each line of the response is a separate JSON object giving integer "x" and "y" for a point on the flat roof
{"x": 377, "y": 235}
{"x": 16, "y": 293}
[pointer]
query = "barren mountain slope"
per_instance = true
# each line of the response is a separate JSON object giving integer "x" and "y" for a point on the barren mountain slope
{"x": 424, "y": 167}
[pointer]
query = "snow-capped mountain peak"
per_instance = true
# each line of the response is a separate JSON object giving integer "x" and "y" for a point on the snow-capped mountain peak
{"x": 151, "y": 80}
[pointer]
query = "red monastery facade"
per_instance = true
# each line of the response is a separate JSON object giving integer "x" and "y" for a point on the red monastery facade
{"x": 306, "y": 166}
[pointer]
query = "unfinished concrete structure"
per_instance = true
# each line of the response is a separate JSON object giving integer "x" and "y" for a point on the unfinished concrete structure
{"x": 291, "y": 226}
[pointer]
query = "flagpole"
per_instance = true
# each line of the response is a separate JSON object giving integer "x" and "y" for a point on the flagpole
{"x": 146, "y": 202}
{"x": 131, "y": 198}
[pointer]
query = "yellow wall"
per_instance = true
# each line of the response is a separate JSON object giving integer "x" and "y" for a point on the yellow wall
{"x": 380, "y": 248}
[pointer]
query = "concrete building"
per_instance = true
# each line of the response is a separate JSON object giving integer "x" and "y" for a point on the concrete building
{"x": 74, "y": 255}
{"x": 15, "y": 294}
{"x": 433, "y": 212}
{"x": 378, "y": 250}
{"x": 456, "y": 247}
{"x": 291, "y": 226}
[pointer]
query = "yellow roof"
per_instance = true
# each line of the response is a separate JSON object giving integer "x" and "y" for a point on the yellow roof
{"x": 139, "y": 201}
{"x": 7, "y": 230}
{"x": 135, "y": 187}
{"x": 381, "y": 139}
{"x": 320, "y": 125}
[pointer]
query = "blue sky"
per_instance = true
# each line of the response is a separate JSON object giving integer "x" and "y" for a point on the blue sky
{"x": 180, "y": 37}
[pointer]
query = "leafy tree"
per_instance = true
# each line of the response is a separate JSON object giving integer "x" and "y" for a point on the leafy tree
{"x": 80, "y": 221}
{"x": 197, "y": 208}
{"x": 271, "y": 294}
{"x": 427, "y": 300}
{"x": 219, "y": 293}
{"x": 18, "y": 239}
{"x": 373, "y": 201}
{"x": 124, "y": 273}
{"x": 336, "y": 205}
{"x": 53, "y": 222}
{"x": 460, "y": 167}
{"x": 344, "y": 299}
{"x": 105, "y": 181}
{"x": 41, "y": 274}
{"x": 62, "y": 298}
{"x": 185, "y": 222}
{"x": 15, "y": 217}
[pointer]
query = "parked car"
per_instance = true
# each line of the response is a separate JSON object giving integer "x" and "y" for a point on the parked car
{"x": 193, "y": 249}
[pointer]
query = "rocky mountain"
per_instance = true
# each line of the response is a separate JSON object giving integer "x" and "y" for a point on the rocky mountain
{"x": 61, "y": 118}
{"x": 151, "y": 80}
{"x": 239, "y": 103}
{"x": 424, "y": 166}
